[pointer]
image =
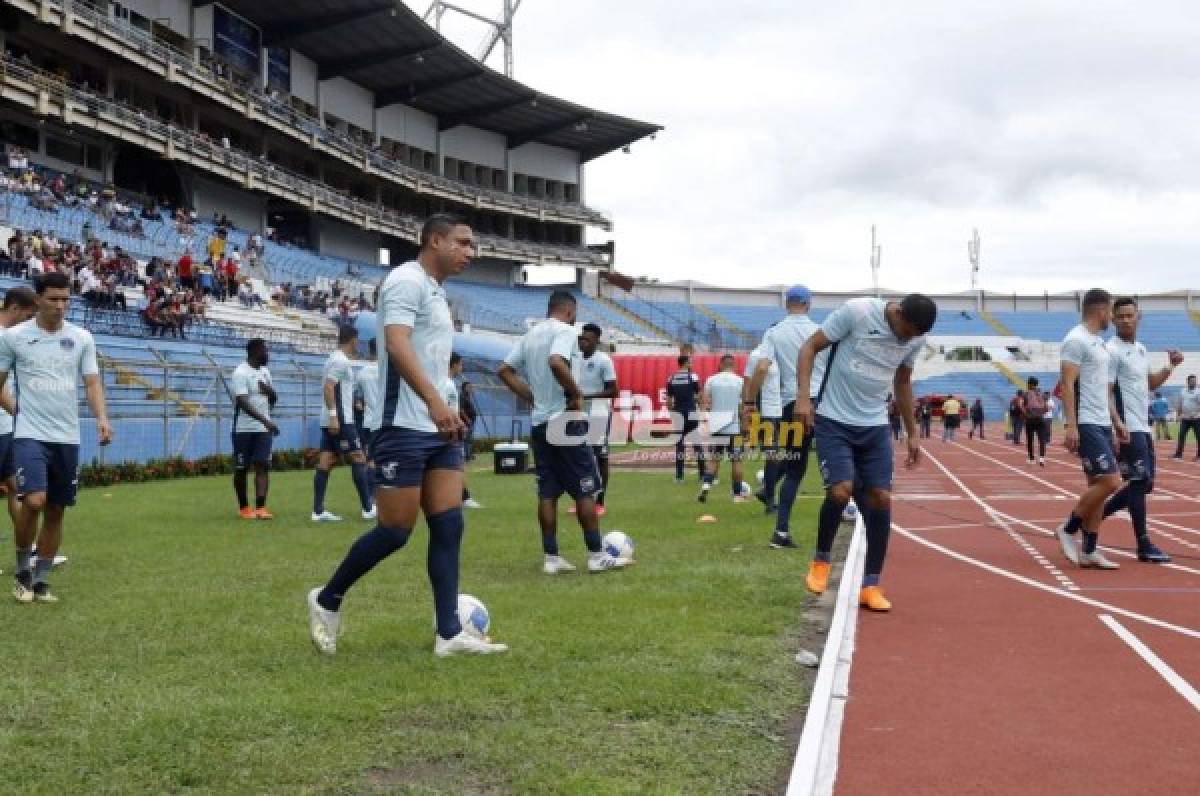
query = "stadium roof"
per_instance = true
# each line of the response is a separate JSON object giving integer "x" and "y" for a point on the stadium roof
{"x": 385, "y": 47}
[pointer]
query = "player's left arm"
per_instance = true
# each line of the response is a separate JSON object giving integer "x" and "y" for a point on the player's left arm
{"x": 1114, "y": 414}
{"x": 1159, "y": 377}
{"x": 903, "y": 392}
{"x": 94, "y": 388}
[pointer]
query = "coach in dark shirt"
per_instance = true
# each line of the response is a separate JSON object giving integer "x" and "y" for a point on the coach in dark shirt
{"x": 683, "y": 389}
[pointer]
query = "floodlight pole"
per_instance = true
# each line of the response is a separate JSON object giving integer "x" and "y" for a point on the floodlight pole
{"x": 973, "y": 256}
{"x": 876, "y": 257}
{"x": 500, "y": 30}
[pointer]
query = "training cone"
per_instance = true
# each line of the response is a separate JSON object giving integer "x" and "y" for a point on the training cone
{"x": 706, "y": 518}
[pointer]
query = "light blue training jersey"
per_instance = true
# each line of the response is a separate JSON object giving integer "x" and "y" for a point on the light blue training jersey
{"x": 782, "y": 343}
{"x": 45, "y": 369}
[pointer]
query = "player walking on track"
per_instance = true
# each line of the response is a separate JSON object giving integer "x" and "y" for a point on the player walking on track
{"x": 874, "y": 345}
{"x": 1189, "y": 416}
{"x": 418, "y": 448}
{"x": 1034, "y": 409}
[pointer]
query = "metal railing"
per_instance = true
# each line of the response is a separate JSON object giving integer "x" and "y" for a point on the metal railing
{"x": 200, "y": 67}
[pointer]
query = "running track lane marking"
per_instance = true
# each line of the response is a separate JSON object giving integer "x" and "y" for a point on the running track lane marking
{"x": 998, "y": 518}
{"x": 815, "y": 767}
{"x": 1079, "y": 598}
{"x": 1172, "y": 677}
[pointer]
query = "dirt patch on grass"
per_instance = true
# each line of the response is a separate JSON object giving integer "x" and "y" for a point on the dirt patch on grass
{"x": 432, "y": 777}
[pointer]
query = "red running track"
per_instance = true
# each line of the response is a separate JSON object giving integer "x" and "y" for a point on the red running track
{"x": 1006, "y": 679}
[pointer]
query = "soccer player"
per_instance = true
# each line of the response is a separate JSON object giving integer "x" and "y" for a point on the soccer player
{"x": 254, "y": 398}
{"x": 339, "y": 436}
{"x": 1034, "y": 409}
{"x": 722, "y": 398}
{"x": 562, "y": 462}
{"x": 769, "y": 402}
{"x": 366, "y": 382}
{"x": 876, "y": 347}
{"x": 781, "y": 344}
{"x": 20, "y": 304}
{"x": 418, "y": 448}
{"x": 976, "y": 419}
{"x": 597, "y": 378}
{"x": 1091, "y": 421}
{"x": 1129, "y": 371}
{"x": 1189, "y": 416}
{"x": 47, "y": 355}
{"x": 683, "y": 390}
{"x": 450, "y": 393}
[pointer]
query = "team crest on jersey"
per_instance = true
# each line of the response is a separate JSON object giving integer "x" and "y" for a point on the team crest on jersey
{"x": 66, "y": 344}
{"x": 389, "y": 470}
{"x": 587, "y": 484}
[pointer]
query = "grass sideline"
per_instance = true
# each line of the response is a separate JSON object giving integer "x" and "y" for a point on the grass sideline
{"x": 179, "y": 660}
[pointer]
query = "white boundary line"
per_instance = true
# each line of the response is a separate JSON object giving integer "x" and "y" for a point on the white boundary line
{"x": 815, "y": 767}
{"x": 1183, "y": 687}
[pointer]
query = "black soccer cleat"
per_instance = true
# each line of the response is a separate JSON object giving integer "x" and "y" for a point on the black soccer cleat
{"x": 781, "y": 541}
{"x": 1150, "y": 553}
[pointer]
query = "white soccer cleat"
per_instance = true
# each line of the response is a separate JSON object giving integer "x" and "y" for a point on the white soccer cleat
{"x": 603, "y": 562}
{"x": 472, "y": 503}
{"x": 22, "y": 593}
{"x": 323, "y": 626}
{"x": 557, "y": 565}
{"x": 739, "y": 498}
{"x": 1096, "y": 560}
{"x": 465, "y": 644}
{"x": 326, "y": 516}
{"x": 1070, "y": 547}
{"x": 369, "y": 515}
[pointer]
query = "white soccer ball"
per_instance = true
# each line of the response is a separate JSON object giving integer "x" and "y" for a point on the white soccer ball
{"x": 761, "y": 475}
{"x": 618, "y": 544}
{"x": 473, "y": 615}
{"x": 850, "y": 513}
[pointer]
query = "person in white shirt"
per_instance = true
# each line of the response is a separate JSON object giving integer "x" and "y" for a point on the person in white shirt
{"x": 562, "y": 456}
{"x": 451, "y": 392}
{"x": 20, "y": 304}
{"x": 1091, "y": 423}
{"x": 763, "y": 428}
{"x": 339, "y": 435}
{"x": 721, "y": 400}
{"x": 597, "y": 378}
{"x": 418, "y": 447}
{"x": 254, "y": 396}
{"x": 1189, "y": 416}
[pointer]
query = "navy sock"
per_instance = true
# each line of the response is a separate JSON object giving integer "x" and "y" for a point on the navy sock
{"x": 370, "y": 476}
{"x": 828, "y": 520}
{"x": 770, "y": 479}
{"x": 445, "y": 540}
{"x": 359, "y": 473}
{"x": 24, "y": 559}
{"x": 41, "y": 570}
{"x": 550, "y": 544}
{"x": 1118, "y": 501}
{"x": 320, "y": 483}
{"x": 369, "y": 549}
{"x": 1089, "y": 541}
{"x": 823, "y": 557}
{"x": 593, "y": 540}
{"x": 879, "y": 528}
{"x": 787, "y": 498}
{"x": 1074, "y": 523}
{"x": 1137, "y": 508}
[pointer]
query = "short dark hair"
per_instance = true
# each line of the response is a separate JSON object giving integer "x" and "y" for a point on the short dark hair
{"x": 682, "y": 360}
{"x": 919, "y": 310}
{"x": 1125, "y": 301}
{"x": 54, "y": 279}
{"x": 455, "y": 358}
{"x": 440, "y": 224}
{"x": 594, "y": 329}
{"x": 727, "y": 359}
{"x": 346, "y": 333}
{"x": 20, "y": 297}
{"x": 255, "y": 344}
{"x": 559, "y": 299}
{"x": 1032, "y": 381}
{"x": 1095, "y": 297}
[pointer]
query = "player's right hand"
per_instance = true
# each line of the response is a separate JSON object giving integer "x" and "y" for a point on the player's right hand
{"x": 448, "y": 423}
{"x": 274, "y": 429}
{"x": 105, "y": 430}
{"x": 805, "y": 414}
{"x": 1071, "y": 440}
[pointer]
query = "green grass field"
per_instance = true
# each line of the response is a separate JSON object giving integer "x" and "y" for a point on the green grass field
{"x": 179, "y": 661}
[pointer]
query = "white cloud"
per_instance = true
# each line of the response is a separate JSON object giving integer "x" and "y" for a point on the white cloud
{"x": 1069, "y": 135}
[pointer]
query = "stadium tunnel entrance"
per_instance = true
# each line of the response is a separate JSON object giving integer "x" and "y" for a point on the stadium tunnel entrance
{"x": 135, "y": 169}
{"x": 291, "y": 222}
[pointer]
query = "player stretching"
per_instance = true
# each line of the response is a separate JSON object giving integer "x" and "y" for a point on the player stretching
{"x": 1091, "y": 419}
{"x": 339, "y": 436}
{"x": 1129, "y": 369}
{"x": 769, "y": 403}
{"x": 875, "y": 345}
{"x": 597, "y": 378}
{"x": 781, "y": 344}
{"x": 561, "y": 453}
{"x": 20, "y": 304}
{"x": 450, "y": 393}
{"x": 254, "y": 397}
{"x": 722, "y": 401}
{"x": 47, "y": 355}
{"x": 418, "y": 449}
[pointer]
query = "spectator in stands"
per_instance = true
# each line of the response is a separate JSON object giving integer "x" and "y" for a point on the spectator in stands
{"x": 1189, "y": 416}
{"x": 186, "y": 280}
{"x": 90, "y": 287}
{"x": 1016, "y": 416}
{"x": 1033, "y": 409}
{"x": 894, "y": 416}
{"x": 976, "y": 419}
{"x": 1159, "y": 409}
{"x": 216, "y": 245}
{"x": 951, "y": 407}
{"x": 113, "y": 296}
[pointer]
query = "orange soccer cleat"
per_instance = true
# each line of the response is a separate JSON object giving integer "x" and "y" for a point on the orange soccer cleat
{"x": 817, "y": 580}
{"x": 246, "y": 513}
{"x": 872, "y": 597}
{"x": 263, "y": 514}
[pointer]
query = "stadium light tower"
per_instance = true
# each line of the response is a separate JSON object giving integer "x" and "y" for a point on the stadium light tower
{"x": 499, "y": 30}
{"x": 876, "y": 257}
{"x": 973, "y": 256}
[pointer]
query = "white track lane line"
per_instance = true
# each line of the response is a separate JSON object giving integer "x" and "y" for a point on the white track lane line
{"x": 1173, "y": 678}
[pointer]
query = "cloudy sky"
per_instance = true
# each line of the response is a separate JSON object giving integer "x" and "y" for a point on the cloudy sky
{"x": 1068, "y": 133}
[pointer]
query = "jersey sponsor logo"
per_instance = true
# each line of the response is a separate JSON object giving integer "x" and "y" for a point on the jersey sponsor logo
{"x": 66, "y": 344}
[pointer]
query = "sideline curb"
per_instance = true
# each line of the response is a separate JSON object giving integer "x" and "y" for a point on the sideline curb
{"x": 815, "y": 767}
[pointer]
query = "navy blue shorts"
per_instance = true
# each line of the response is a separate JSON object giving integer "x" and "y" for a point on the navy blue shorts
{"x": 345, "y": 442}
{"x": 368, "y": 438}
{"x": 564, "y": 468}
{"x": 402, "y": 456}
{"x": 251, "y": 447}
{"x": 6, "y": 456}
{"x": 859, "y": 454}
{"x": 1136, "y": 457}
{"x": 50, "y": 467}
{"x": 1096, "y": 450}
